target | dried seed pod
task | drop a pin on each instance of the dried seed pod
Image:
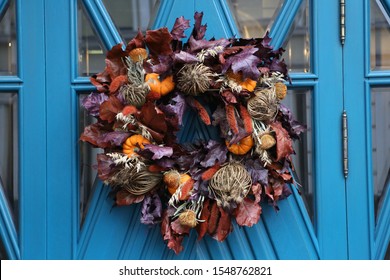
(188, 218)
(230, 184)
(137, 180)
(193, 79)
(172, 180)
(280, 90)
(267, 141)
(263, 106)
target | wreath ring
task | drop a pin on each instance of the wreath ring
(233, 85)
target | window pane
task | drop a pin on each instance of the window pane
(254, 17)
(297, 44)
(131, 15)
(8, 48)
(380, 118)
(299, 101)
(380, 37)
(3, 253)
(9, 150)
(87, 162)
(91, 51)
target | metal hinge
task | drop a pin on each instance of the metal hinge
(345, 144)
(342, 22)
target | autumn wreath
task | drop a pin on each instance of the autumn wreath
(143, 96)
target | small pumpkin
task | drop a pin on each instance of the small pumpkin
(138, 54)
(133, 142)
(157, 87)
(247, 84)
(280, 90)
(242, 147)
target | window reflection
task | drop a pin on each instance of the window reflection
(8, 42)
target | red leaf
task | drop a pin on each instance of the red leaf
(204, 116)
(209, 173)
(283, 141)
(117, 83)
(231, 117)
(109, 109)
(174, 241)
(204, 216)
(247, 119)
(125, 198)
(114, 62)
(186, 190)
(224, 226)
(159, 41)
(257, 190)
(213, 219)
(154, 121)
(136, 42)
(248, 213)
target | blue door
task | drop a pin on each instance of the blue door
(52, 205)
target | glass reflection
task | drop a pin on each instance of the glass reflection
(87, 162)
(380, 127)
(300, 103)
(9, 180)
(8, 55)
(380, 36)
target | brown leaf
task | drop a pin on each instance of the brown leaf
(174, 241)
(204, 216)
(123, 198)
(213, 219)
(224, 226)
(109, 109)
(114, 62)
(117, 83)
(248, 213)
(283, 141)
(159, 42)
(154, 121)
(229, 96)
(136, 42)
(257, 190)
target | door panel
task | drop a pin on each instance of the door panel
(49, 82)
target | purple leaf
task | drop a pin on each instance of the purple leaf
(216, 153)
(293, 127)
(197, 45)
(105, 166)
(93, 101)
(162, 65)
(151, 210)
(185, 57)
(158, 151)
(244, 61)
(257, 171)
(199, 30)
(176, 107)
(181, 24)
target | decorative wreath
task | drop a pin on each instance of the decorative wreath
(142, 99)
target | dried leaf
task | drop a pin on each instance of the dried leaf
(180, 25)
(151, 210)
(158, 152)
(283, 141)
(224, 226)
(109, 109)
(213, 219)
(178, 228)
(136, 42)
(248, 212)
(123, 198)
(174, 240)
(93, 101)
(244, 62)
(159, 42)
(202, 227)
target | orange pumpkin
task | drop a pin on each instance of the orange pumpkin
(157, 87)
(133, 142)
(247, 84)
(174, 180)
(242, 147)
(138, 54)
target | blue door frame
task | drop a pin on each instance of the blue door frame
(48, 85)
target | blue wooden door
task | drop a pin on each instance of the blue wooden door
(64, 212)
